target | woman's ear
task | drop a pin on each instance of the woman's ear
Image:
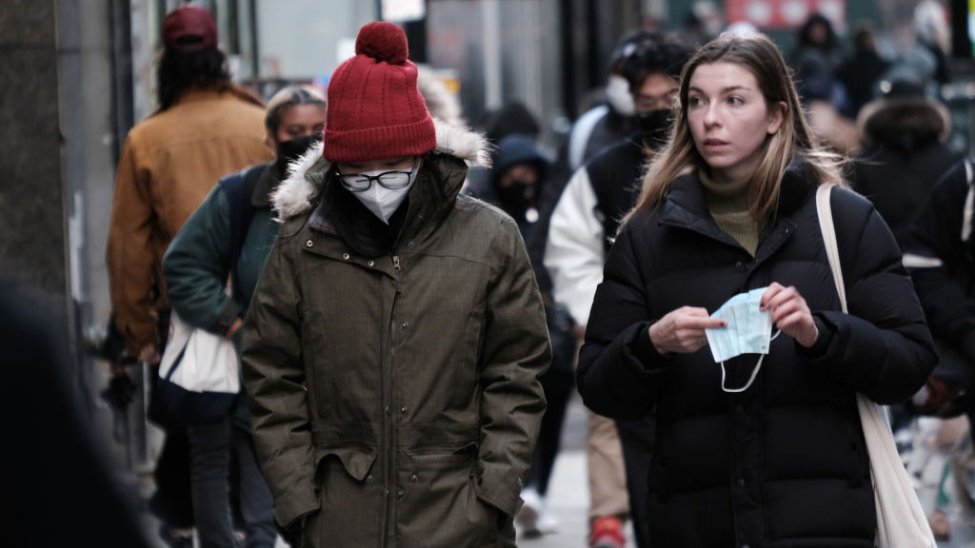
(776, 116)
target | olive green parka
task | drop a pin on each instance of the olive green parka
(395, 399)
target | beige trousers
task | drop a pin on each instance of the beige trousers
(607, 475)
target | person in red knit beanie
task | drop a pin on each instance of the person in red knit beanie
(393, 345)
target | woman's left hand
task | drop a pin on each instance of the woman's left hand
(790, 313)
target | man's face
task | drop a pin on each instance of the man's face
(658, 91)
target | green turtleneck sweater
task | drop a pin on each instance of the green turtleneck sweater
(728, 203)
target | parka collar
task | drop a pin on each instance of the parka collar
(299, 192)
(905, 123)
(430, 199)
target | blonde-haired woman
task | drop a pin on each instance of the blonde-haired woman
(772, 454)
(230, 235)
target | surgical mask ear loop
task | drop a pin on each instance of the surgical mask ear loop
(758, 367)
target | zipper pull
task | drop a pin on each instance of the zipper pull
(396, 263)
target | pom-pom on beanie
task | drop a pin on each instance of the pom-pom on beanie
(375, 110)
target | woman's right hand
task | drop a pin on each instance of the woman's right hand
(682, 330)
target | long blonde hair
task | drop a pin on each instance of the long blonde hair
(761, 57)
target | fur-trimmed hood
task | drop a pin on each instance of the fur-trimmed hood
(297, 193)
(903, 123)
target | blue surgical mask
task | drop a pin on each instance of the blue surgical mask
(748, 330)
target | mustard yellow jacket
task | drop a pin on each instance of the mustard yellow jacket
(169, 163)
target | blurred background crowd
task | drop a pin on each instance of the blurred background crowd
(882, 80)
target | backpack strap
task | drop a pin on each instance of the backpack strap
(239, 189)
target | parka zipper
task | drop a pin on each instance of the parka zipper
(389, 429)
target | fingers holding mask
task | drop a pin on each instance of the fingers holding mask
(790, 313)
(682, 330)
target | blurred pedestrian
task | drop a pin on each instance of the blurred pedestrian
(230, 235)
(514, 118)
(607, 122)
(583, 226)
(940, 255)
(394, 342)
(903, 152)
(516, 183)
(205, 127)
(933, 33)
(817, 38)
(862, 70)
(54, 471)
(773, 455)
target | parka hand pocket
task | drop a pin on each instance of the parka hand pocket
(356, 462)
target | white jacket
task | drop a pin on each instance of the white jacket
(574, 253)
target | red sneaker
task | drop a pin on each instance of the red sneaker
(607, 532)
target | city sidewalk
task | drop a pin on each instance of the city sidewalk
(568, 491)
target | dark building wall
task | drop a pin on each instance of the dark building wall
(32, 229)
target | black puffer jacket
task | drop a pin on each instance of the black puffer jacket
(782, 464)
(941, 257)
(902, 156)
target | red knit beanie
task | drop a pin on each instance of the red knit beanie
(375, 110)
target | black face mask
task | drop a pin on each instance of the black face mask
(289, 151)
(655, 126)
(517, 197)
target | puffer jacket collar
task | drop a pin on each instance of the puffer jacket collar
(685, 205)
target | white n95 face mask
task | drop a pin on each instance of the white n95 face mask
(748, 330)
(382, 201)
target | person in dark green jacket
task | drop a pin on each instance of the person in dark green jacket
(229, 237)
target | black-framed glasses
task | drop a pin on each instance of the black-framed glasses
(392, 180)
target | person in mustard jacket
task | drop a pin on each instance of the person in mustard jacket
(205, 128)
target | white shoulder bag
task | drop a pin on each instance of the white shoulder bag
(900, 519)
(199, 376)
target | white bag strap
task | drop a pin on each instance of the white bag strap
(829, 240)
(900, 519)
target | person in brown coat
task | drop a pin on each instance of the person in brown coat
(205, 128)
(394, 343)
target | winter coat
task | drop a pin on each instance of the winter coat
(585, 221)
(533, 224)
(395, 400)
(196, 267)
(169, 163)
(940, 255)
(901, 158)
(783, 463)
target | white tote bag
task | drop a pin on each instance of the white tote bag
(199, 376)
(900, 519)
(203, 361)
